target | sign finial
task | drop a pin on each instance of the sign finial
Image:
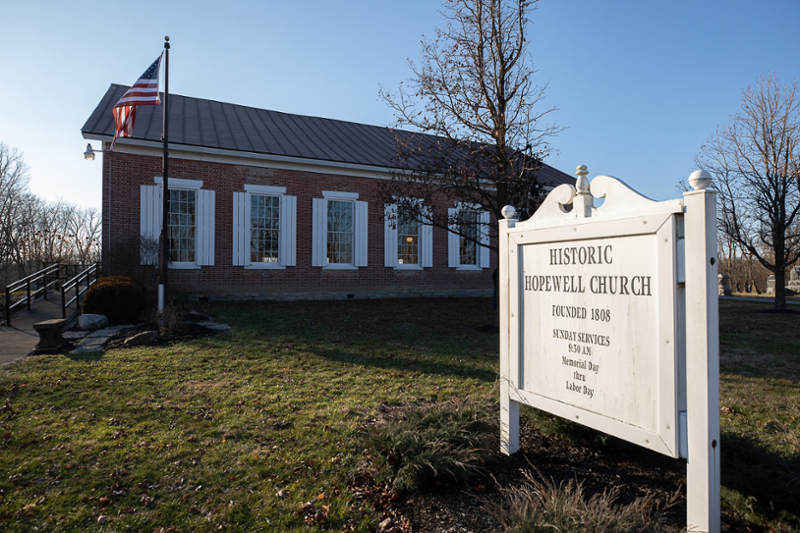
(582, 184)
(700, 179)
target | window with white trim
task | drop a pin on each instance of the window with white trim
(408, 242)
(408, 228)
(264, 227)
(468, 239)
(339, 231)
(190, 234)
(182, 226)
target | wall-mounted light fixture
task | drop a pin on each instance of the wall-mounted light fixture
(89, 153)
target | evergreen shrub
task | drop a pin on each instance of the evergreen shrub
(120, 298)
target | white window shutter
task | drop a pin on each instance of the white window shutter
(288, 231)
(390, 235)
(426, 240)
(240, 230)
(484, 250)
(149, 223)
(360, 248)
(319, 231)
(204, 239)
(453, 259)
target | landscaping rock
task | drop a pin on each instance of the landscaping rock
(95, 341)
(74, 335)
(194, 316)
(145, 338)
(92, 322)
(214, 326)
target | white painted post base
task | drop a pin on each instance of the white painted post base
(161, 298)
(509, 421)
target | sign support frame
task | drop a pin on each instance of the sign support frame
(690, 271)
(702, 358)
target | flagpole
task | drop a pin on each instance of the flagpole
(163, 246)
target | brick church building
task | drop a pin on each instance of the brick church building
(269, 205)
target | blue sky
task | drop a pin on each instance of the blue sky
(639, 85)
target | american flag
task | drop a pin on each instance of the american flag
(143, 92)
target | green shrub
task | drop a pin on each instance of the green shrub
(119, 298)
(447, 442)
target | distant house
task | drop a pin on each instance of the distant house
(271, 205)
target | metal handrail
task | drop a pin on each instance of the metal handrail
(75, 283)
(44, 274)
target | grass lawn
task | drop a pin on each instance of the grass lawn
(235, 432)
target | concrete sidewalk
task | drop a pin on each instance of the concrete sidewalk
(20, 339)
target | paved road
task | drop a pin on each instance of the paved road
(20, 339)
(769, 300)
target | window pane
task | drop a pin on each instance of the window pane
(182, 221)
(407, 238)
(264, 228)
(467, 246)
(340, 216)
(340, 232)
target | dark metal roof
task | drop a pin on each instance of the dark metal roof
(210, 124)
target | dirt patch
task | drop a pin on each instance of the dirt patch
(185, 332)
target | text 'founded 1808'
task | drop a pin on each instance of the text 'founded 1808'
(591, 339)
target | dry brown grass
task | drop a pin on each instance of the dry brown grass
(542, 505)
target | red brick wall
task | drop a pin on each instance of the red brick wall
(123, 174)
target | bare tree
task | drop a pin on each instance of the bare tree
(83, 231)
(23, 235)
(756, 162)
(475, 97)
(13, 190)
(33, 231)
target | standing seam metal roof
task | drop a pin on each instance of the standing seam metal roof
(212, 124)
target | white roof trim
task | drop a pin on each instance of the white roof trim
(253, 159)
(238, 157)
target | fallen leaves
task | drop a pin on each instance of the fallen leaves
(311, 513)
(30, 508)
(380, 499)
(146, 485)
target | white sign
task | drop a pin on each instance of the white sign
(594, 326)
(594, 323)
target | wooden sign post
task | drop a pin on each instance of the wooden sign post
(605, 311)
